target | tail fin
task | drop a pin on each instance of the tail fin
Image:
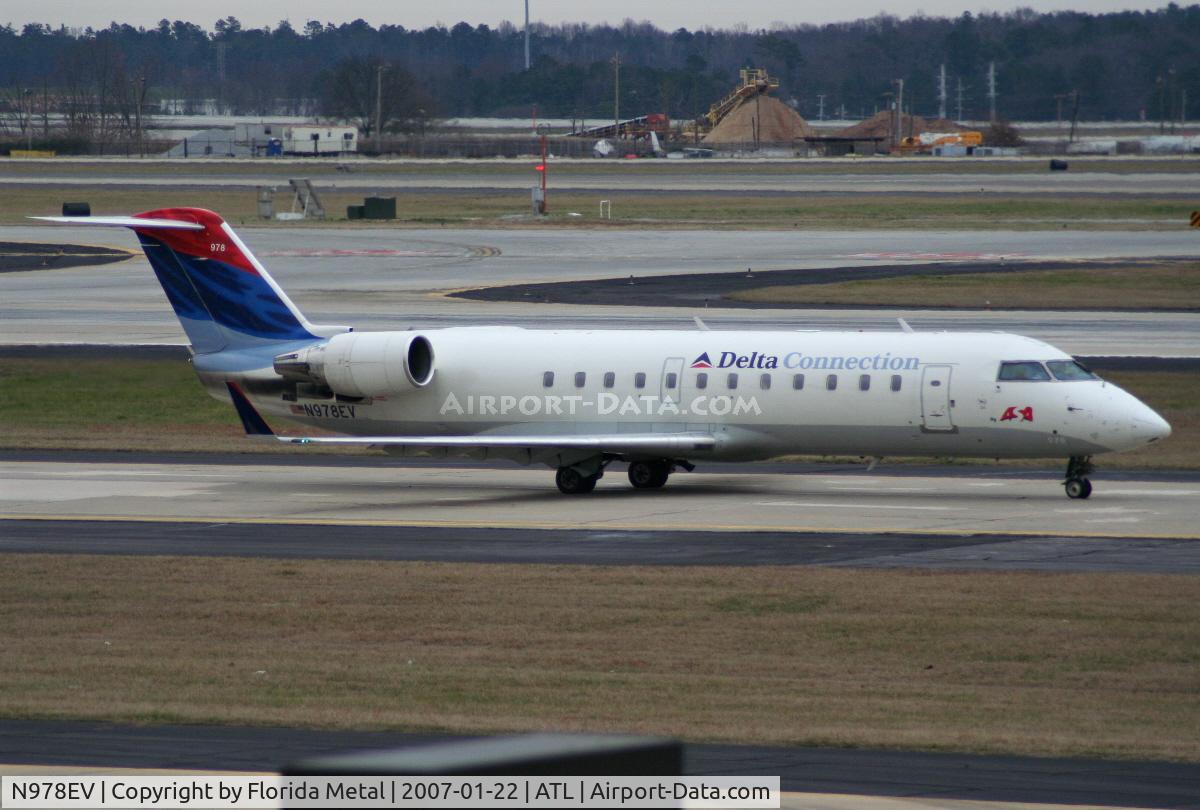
(223, 296)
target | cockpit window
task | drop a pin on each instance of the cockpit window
(1025, 371)
(1069, 370)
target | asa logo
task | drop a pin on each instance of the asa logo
(1013, 412)
(702, 361)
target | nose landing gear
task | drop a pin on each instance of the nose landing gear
(1077, 484)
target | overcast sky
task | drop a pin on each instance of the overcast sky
(666, 14)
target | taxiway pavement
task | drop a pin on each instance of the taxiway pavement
(391, 278)
(987, 518)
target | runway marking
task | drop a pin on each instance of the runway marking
(862, 506)
(576, 525)
(1154, 493)
(1104, 510)
(884, 490)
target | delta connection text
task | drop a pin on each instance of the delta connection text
(803, 362)
(263, 791)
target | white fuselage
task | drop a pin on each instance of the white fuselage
(762, 394)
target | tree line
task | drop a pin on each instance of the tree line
(1122, 65)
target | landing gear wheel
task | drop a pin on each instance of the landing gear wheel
(1077, 483)
(1078, 488)
(571, 482)
(649, 474)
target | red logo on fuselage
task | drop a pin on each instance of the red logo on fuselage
(1013, 412)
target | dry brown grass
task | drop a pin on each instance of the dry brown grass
(1165, 286)
(511, 209)
(1098, 665)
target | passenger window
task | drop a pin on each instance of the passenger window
(702, 380)
(831, 382)
(764, 382)
(1026, 371)
(864, 382)
(731, 383)
(580, 379)
(639, 380)
(798, 382)
(610, 379)
(896, 382)
(1070, 371)
(548, 379)
(672, 379)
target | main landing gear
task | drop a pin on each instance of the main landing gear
(581, 478)
(649, 474)
(572, 482)
(1077, 483)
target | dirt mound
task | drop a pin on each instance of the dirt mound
(880, 124)
(769, 118)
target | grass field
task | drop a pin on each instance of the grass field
(1061, 665)
(1174, 285)
(159, 405)
(511, 209)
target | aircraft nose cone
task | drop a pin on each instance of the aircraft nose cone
(1150, 427)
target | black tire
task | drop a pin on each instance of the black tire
(570, 482)
(649, 474)
(1078, 488)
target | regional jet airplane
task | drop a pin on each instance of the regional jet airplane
(659, 400)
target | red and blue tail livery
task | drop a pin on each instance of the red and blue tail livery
(223, 297)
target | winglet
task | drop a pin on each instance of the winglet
(254, 424)
(904, 325)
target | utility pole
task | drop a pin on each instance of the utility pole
(992, 90)
(616, 60)
(896, 135)
(28, 119)
(379, 109)
(1162, 104)
(1182, 108)
(1074, 114)
(527, 34)
(221, 78)
(820, 106)
(942, 92)
(959, 118)
(1170, 99)
(1058, 100)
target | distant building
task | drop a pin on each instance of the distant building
(298, 139)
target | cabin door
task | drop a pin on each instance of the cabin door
(935, 399)
(671, 383)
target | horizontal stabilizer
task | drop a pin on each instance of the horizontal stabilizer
(128, 222)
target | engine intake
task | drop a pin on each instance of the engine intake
(362, 364)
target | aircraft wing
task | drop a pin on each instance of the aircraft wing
(620, 443)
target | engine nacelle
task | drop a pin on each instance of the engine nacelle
(362, 364)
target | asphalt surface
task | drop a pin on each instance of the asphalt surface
(984, 499)
(384, 278)
(987, 552)
(692, 290)
(809, 770)
(23, 257)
